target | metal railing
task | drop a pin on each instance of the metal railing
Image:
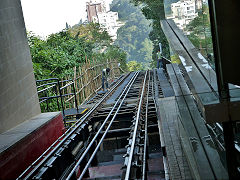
(58, 146)
(59, 95)
(50, 90)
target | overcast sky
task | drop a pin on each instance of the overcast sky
(44, 17)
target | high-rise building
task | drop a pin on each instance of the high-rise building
(98, 11)
(109, 22)
(93, 8)
(199, 4)
(183, 12)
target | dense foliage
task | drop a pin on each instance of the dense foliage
(167, 6)
(134, 66)
(199, 28)
(154, 10)
(133, 36)
(56, 56)
(200, 31)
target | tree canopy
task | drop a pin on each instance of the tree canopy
(134, 66)
(60, 52)
(154, 10)
(200, 31)
(133, 37)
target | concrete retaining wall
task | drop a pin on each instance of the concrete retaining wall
(18, 94)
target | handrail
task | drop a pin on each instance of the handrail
(50, 79)
(66, 136)
(46, 88)
(79, 89)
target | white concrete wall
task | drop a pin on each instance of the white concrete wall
(18, 94)
(108, 21)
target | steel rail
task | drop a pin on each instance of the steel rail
(135, 130)
(146, 132)
(46, 88)
(53, 83)
(105, 133)
(167, 60)
(103, 124)
(155, 95)
(216, 137)
(50, 79)
(62, 139)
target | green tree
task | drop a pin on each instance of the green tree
(175, 59)
(56, 56)
(92, 33)
(154, 11)
(133, 36)
(167, 6)
(134, 66)
(146, 50)
(116, 53)
(200, 31)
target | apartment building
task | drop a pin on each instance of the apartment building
(184, 11)
(98, 11)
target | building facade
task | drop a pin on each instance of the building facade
(184, 11)
(109, 22)
(93, 10)
(98, 11)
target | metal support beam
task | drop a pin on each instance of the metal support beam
(223, 25)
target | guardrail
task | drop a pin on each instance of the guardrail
(61, 94)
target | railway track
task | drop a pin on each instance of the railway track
(118, 138)
(90, 141)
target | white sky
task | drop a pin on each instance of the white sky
(44, 17)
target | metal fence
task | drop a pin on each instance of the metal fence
(61, 94)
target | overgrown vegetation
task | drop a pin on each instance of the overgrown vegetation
(60, 53)
(56, 56)
(154, 10)
(135, 66)
(200, 32)
(167, 6)
(133, 35)
(199, 28)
